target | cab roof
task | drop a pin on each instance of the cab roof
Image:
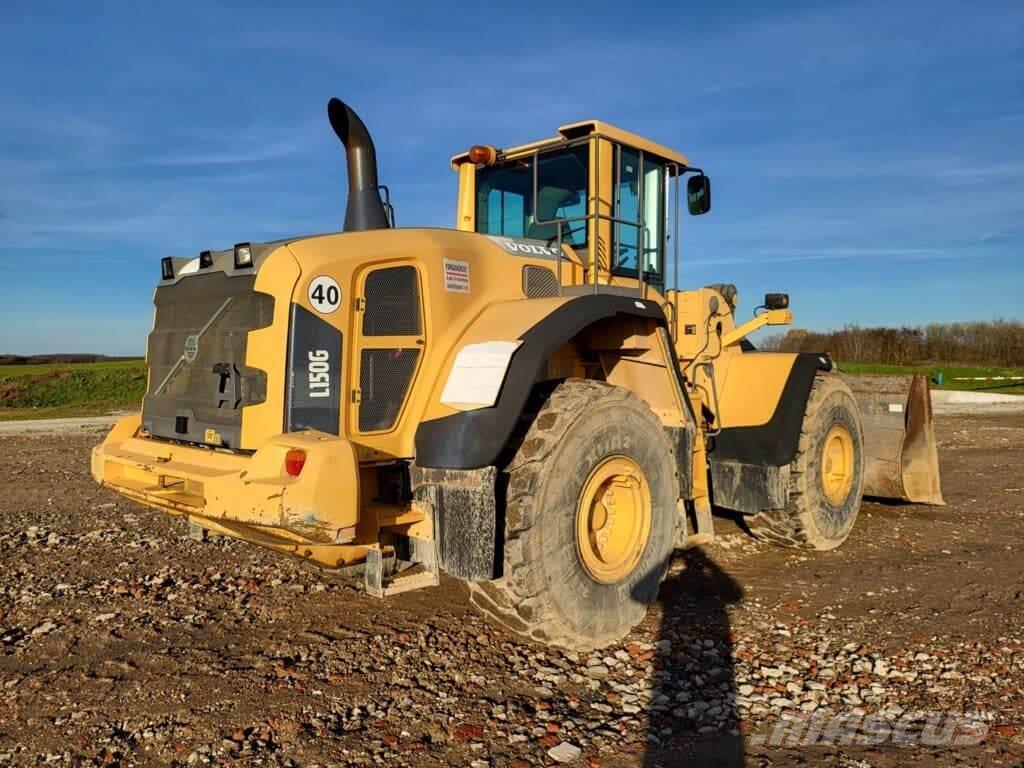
(588, 128)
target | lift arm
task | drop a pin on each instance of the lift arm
(769, 317)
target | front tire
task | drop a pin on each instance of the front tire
(589, 519)
(826, 477)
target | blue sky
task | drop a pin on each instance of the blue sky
(866, 157)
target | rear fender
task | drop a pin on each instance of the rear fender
(476, 438)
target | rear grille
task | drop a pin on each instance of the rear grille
(539, 282)
(384, 376)
(198, 380)
(392, 303)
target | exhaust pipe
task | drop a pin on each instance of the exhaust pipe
(365, 209)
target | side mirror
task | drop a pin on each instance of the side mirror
(776, 301)
(698, 194)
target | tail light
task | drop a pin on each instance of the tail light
(294, 461)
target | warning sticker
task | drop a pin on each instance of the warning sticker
(456, 276)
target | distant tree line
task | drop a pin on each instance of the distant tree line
(997, 343)
(59, 358)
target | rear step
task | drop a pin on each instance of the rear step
(384, 575)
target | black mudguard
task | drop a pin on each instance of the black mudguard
(474, 439)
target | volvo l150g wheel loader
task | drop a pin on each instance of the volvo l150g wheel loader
(526, 402)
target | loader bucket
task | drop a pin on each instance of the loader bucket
(901, 459)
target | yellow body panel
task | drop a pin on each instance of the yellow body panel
(495, 277)
(267, 346)
(245, 495)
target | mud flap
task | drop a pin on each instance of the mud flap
(748, 488)
(901, 458)
(465, 519)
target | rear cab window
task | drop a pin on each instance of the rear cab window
(505, 203)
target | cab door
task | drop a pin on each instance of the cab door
(390, 340)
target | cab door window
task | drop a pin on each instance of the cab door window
(640, 243)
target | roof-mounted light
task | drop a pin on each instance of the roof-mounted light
(167, 268)
(481, 154)
(205, 260)
(243, 255)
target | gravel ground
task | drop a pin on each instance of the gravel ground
(123, 642)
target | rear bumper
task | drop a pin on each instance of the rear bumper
(248, 496)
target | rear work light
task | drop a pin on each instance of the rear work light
(294, 461)
(167, 268)
(243, 255)
(205, 260)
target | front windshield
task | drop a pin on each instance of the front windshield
(505, 204)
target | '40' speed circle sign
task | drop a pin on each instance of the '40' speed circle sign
(324, 294)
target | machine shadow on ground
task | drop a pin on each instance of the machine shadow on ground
(694, 603)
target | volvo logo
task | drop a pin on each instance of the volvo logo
(191, 348)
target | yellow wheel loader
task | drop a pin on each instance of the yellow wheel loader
(526, 402)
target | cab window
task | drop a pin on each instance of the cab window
(505, 204)
(642, 242)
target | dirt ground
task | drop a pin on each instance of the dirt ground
(124, 642)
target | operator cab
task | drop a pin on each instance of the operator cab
(604, 192)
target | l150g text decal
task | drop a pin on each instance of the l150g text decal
(314, 373)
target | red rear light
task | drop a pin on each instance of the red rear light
(294, 461)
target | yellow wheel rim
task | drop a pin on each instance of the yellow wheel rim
(613, 519)
(837, 465)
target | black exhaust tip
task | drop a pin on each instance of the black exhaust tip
(365, 210)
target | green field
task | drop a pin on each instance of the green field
(91, 389)
(949, 371)
(75, 389)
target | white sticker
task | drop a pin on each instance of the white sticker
(895, 407)
(456, 276)
(324, 294)
(639, 305)
(478, 373)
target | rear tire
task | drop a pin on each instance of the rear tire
(824, 498)
(559, 589)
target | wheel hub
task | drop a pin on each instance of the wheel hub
(837, 462)
(613, 519)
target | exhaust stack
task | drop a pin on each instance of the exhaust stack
(365, 209)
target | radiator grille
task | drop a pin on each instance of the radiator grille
(539, 282)
(384, 376)
(392, 303)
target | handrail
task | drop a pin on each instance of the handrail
(675, 245)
